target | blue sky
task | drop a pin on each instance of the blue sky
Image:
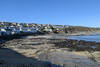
(65, 12)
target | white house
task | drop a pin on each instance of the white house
(8, 31)
(34, 30)
(48, 29)
(2, 31)
(25, 29)
(13, 30)
(18, 30)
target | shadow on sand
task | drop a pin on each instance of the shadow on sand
(11, 58)
(6, 38)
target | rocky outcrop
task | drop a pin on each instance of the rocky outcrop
(77, 45)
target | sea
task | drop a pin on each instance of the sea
(93, 38)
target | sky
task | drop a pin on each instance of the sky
(62, 12)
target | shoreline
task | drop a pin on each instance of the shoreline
(82, 33)
(62, 38)
(45, 49)
(54, 36)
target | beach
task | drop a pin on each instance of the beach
(47, 51)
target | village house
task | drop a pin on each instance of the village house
(2, 31)
(25, 29)
(17, 28)
(48, 29)
(8, 31)
(34, 30)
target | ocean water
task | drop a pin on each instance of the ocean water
(93, 38)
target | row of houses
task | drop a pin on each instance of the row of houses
(11, 30)
(7, 28)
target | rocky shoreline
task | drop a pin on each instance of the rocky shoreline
(49, 51)
(60, 40)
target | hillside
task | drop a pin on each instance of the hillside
(47, 28)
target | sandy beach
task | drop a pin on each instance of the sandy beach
(38, 50)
